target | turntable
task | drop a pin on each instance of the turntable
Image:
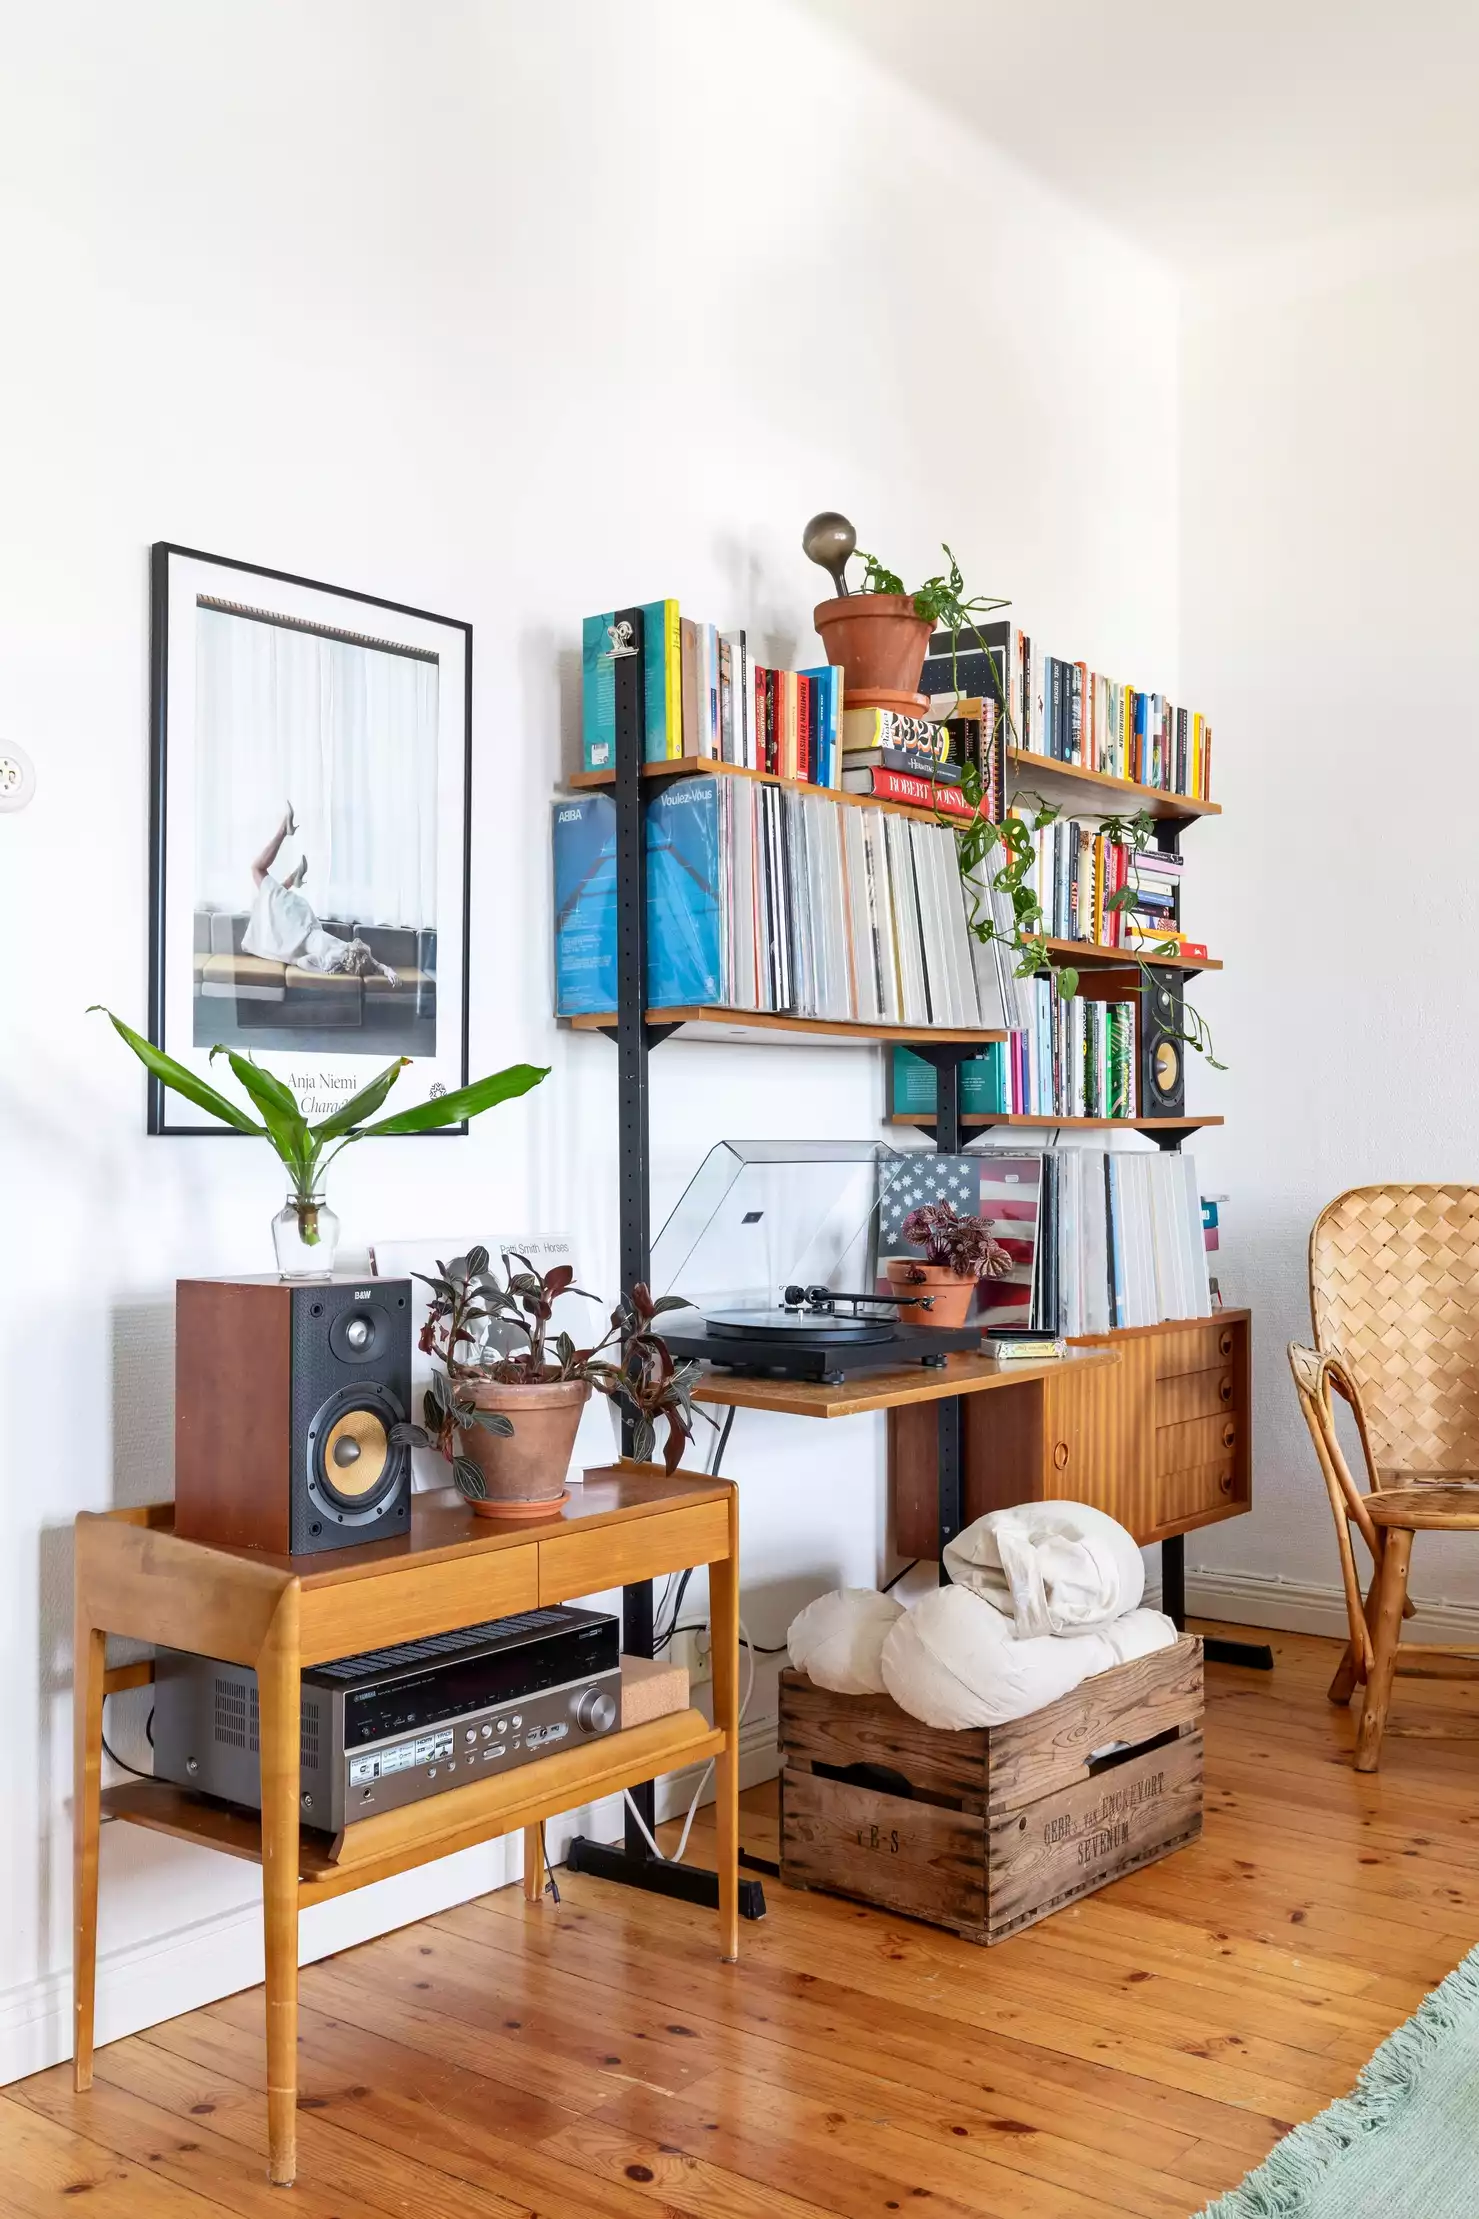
(775, 1245)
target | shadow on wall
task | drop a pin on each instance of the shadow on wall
(143, 1415)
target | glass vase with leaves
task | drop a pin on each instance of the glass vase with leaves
(306, 1231)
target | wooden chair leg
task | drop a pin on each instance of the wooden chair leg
(533, 1864)
(280, 1698)
(88, 1664)
(724, 1620)
(1385, 1635)
(1351, 1670)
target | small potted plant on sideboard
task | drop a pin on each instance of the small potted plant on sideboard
(958, 1252)
(506, 1419)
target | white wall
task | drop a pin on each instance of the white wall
(508, 313)
(1330, 476)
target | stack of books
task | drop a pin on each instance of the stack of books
(1077, 873)
(771, 898)
(1062, 709)
(702, 696)
(919, 759)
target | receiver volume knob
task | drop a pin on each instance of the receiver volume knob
(595, 1712)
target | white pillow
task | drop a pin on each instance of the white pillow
(1138, 1634)
(838, 1639)
(954, 1661)
(1052, 1567)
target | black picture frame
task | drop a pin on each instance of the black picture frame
(161, 555)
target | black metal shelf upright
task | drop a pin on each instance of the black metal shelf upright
(634, 1863)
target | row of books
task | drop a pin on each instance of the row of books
(770, 898)
(1078, 873)
(1074, 1058)
(1062, 709)
(703, 696)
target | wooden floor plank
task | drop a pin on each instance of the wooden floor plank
(1125, 2060)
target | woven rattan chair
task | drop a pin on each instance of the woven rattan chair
(1394, 1296)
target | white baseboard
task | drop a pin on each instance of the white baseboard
(1305, 1606)
(145, 1982)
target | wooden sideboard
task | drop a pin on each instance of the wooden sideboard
(1161, 1439)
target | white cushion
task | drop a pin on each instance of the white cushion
(838, 1640)
(1052, 1567)
(1138, 1634)
(954, 1661)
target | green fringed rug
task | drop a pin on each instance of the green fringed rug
(1404, 2144)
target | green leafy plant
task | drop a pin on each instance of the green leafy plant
(942, 599)
(962, 1245)
(467, 1298)
(308, 1150)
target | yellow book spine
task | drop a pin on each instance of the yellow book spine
(672, 648)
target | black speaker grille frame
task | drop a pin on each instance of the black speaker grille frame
(318, 1376)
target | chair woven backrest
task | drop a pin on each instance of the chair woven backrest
(1394, 1293)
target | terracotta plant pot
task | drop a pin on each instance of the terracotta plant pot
(877, 639)
(524, 1471)
(952, 1296)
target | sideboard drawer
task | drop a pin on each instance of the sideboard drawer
(1198, 1441)
(1193, 1493)
(409, 1605)
(1195, 1394)
(641, 1548)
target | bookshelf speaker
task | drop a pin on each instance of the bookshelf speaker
(1162, 1046)
(287, 1396)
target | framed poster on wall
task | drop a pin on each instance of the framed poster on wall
(310, 820)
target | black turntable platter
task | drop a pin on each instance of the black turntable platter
(787, 1326)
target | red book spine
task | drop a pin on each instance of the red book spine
(757, 721)
(772, 762)
(920, 793)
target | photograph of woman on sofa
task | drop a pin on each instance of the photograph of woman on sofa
(347, 727)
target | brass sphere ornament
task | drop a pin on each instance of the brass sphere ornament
(828, 540)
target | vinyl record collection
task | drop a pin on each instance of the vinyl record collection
(770, 898)
(1099, 1238)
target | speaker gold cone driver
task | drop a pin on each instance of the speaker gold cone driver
(355, 1453)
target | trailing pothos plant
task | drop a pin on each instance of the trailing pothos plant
(1000, 856)
(632, 1365)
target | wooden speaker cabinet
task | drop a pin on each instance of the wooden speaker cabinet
(1161, 1440)
(287, 1394)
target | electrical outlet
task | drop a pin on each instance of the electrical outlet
(693, 1650)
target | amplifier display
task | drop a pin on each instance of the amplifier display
(393, 1725)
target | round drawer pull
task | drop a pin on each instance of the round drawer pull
(1229, 1434)
(1226, 1483)
(1060, 1456)
(1225, 1387)
(1224, 1344)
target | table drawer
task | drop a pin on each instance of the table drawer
(1198, 1347)
(410, 1603)
(1197, 1441)
(640, 1548)
(1191, 1494)
(1195, 1394)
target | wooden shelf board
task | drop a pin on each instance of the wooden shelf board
(716, 1023)
(395, 1841)
(1089, 785)
(963, 1374)
(1089, 955)
(1111, 1124)
(691, 766)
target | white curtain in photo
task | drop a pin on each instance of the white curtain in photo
(345, 731)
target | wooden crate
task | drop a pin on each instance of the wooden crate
(988, 1830)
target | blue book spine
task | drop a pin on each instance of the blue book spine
(584, 834)
(597, 693)
(660, 691)
(828, 736)
(684, 953)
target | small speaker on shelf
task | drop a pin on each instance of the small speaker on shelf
(286, 1397)
(1162, 1047)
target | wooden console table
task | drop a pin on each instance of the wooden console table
(135, 1577)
